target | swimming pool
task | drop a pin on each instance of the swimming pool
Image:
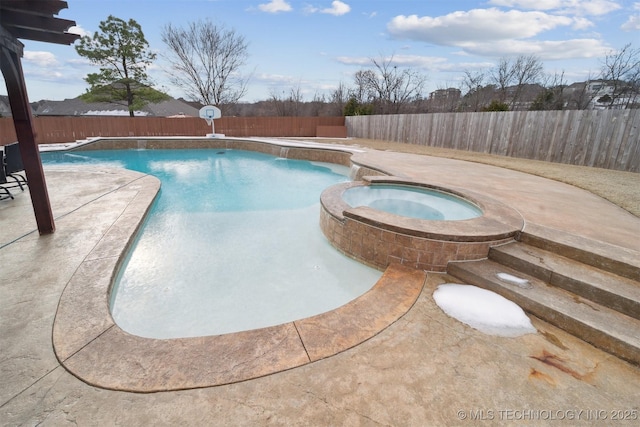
(232, 243)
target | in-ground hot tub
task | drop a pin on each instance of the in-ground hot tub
(412, 202)
(383, 220)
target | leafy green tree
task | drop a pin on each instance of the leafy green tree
(354, 108)
(122, 52)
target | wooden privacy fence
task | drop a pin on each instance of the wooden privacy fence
(605, 138)
(68, 129)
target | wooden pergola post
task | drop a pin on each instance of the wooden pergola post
(31, 20)
(11, 52)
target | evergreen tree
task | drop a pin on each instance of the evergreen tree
(122, 52)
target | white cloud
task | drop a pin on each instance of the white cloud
(632, 24)
(545, 50)
(79, 61)
(594, 7)
(40, 58)
(426, 62)
(431, 64)
(572, 7)
(275, 6)
(475, 25)
(582, 23)
(77, 29)
(529, 4)
(337, 8)
(41, 67)
(51, 76)
(354, 60)
(274, 79)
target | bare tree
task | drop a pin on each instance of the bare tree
(512, 76)
(474, 96)
(621, 70)
(316, 105)
(206, 61)
(296, 99)
(527, 71)
(445, 99)
(287, 105)
(362, 92)
(502, 77)
(389, 88)
(278, 103)
(554, 95)
(339, 98)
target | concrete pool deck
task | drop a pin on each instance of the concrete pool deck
(424, 369)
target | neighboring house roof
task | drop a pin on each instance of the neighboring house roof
(171, 107)
(77, 107)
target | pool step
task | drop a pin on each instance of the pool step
(600, 286)
(595, 305)
(615, 259)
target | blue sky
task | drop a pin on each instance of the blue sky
(315, 45)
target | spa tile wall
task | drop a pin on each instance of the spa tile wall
(379, 248)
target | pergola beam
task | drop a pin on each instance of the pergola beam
(46, 37)
(44, 7)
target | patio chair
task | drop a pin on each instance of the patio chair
(13, 164)
(4, 192)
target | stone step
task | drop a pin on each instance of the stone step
(615, 259)
(596, 324)
(605, 288)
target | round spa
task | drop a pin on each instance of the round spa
(383, 220)
(413, 202)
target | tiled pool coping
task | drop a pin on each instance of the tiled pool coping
(92, 347)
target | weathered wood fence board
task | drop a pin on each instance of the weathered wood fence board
(604, 138)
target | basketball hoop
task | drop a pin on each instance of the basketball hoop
(209, 113)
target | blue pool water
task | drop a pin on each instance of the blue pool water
(232, 243)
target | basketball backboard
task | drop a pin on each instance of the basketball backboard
(210, 112)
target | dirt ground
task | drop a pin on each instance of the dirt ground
(621, 188)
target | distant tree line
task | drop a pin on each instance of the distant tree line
(514, 84)
(206, 64)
